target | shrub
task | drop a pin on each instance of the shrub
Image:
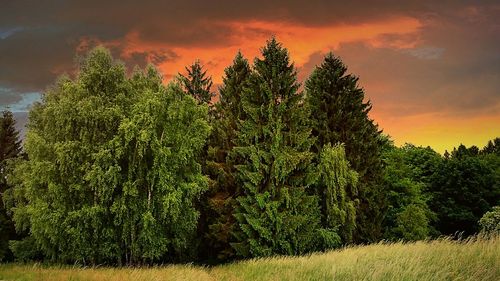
(490, 222)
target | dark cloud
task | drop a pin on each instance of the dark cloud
(452, 63)
(8, 96)
(30, 58)
(46, 33)
(400, 83)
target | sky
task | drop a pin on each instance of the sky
(431, 69)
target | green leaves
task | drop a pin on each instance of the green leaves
(275, 215)
(119, 170)
(10, 149)
(341, 116)
(407, 174)
(112, 173)
(338, 185)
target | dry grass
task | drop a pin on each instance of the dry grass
(475, 259)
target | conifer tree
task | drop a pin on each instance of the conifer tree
(10, 144)
(341, 116)
(220, 200)
(10, 147)
(275, 215)
(493, 146)
(196, 83)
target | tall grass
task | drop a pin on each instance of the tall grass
(444, 259)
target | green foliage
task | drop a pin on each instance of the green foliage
(159, 142)
(196, 83)
(412, 223)
(490, 222)
(286, 224)
(337, 182)
(327, 239)
(112, 171)
(493, 147)
(26, 250)
(275, 215)
(407, 177)
(465, 187)
(10, 148)
(220, 200)
(10, 145)
(341, 116)
(118, 168)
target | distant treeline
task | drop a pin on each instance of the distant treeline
(123, 169)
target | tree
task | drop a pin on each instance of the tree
(466, 187)
(337, 181)
(493, 147)
(412, 223)
(10, 144)
(220, 200)
(160, 142)
(341, 116)
(196, 83)
(407, 177)
(10, 148)
(112, 172)
(275, 215)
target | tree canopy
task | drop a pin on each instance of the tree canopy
(121, 168)
(112, 170)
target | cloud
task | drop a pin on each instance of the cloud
(427, 53)
(414, 58)
(23, 102)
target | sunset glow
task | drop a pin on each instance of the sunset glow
(431, 71)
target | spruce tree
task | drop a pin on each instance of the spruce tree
(220, 200)
(10, 148)
(275, 215)
(341, 116)
(196, 83)
(10, 144)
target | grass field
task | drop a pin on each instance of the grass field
(475, 259)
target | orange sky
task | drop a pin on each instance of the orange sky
(431, 70)
(440, 132)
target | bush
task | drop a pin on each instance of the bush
(25, 250)
(490, 222)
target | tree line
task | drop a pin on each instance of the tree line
(125, 169)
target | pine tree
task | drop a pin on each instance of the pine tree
(10, 144)
(10, 147)
(341, 116)
(220, 200)
(275, 215)
(196, 83)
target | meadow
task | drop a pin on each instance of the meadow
(442, 259)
